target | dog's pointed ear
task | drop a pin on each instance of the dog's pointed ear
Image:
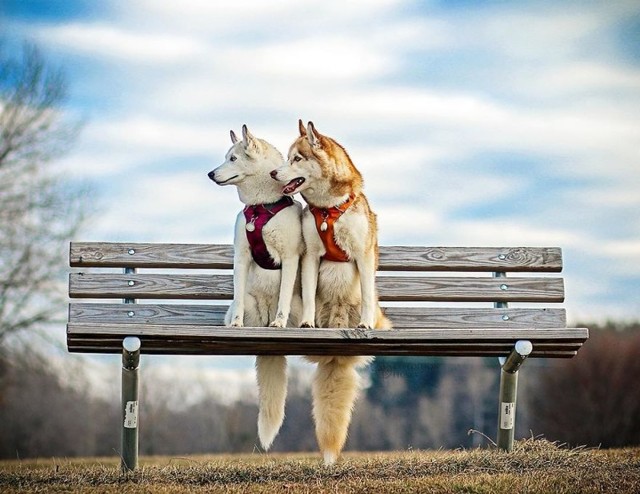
(250, 143)
(234, 137)
(247, 137)
(301, 129)
(313, 136)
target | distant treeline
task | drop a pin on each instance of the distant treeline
(417, 403)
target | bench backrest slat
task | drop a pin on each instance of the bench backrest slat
(392, 258)
(407, 317)
(390, 288)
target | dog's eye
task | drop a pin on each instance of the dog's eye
(232, 158)
(297, 158)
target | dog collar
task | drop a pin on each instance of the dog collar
(325, 219)
(256, 216)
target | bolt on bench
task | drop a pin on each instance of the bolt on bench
(152, 318)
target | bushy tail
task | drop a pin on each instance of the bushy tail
(271, 373)
(335, 389)
(382, 321)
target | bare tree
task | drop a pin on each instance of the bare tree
(39, 209)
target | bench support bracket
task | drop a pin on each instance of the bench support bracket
(509, 393)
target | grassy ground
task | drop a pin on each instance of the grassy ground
(533, 466)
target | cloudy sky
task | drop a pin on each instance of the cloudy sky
(473, 123)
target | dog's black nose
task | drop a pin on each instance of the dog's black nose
(211, 174)
(274, 174)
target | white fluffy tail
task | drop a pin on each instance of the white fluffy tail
(335, 390)
(271, 373)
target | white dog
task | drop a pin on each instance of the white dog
(268, 245)
(338, 270)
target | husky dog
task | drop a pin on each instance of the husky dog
(267, 248)
(338, 270)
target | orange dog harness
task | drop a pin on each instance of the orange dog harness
(325, 219)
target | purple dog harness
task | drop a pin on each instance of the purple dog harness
(256, 217)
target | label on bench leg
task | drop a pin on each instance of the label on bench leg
(507, 415)
(131, 415)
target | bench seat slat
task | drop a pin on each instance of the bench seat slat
(392, 258)
(408, 317)
(321, 341)
(311, 334)
(189, 347)
(390, 288)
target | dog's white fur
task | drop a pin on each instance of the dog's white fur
(334, 294)
(263, 297)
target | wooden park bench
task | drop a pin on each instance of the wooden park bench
(152, 311)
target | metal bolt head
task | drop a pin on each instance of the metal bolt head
(502, 257)
(505, 317)
(131, 251)
(131, 313)
(504, 287)
(131, 282)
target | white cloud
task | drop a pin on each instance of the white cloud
(413, 225)
(254, 16)
(516, 232)
(109, 41)
(626, 253)
(183, 206)
(320, 58)
(554, 33)
(156, 135)
(580, 76)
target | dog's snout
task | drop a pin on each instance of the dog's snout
(274, 174)
(211, 175)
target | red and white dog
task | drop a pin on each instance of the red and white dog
(338, 270)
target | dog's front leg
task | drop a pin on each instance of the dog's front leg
(287, 282)
(310, 267)
(367, 268)
(241, 261)
(240, 274)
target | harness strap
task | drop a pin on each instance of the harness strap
(257, 216)
(325, 220)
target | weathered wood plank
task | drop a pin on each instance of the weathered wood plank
(453, 317)
(191, 347)
(328, 334)
(147, 313)
(151, 286)
(440, 289)
(408, 317)
(392, 258)
(320, 341)
(146, 255)
(390, 288)
(508, 259)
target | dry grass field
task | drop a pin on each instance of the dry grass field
(534, 466)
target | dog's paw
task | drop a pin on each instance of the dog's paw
(307, 324)
(277, 323)
(236, 322)
(364, 325)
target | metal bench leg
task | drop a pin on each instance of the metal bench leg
(130, 366)
(509, 392)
